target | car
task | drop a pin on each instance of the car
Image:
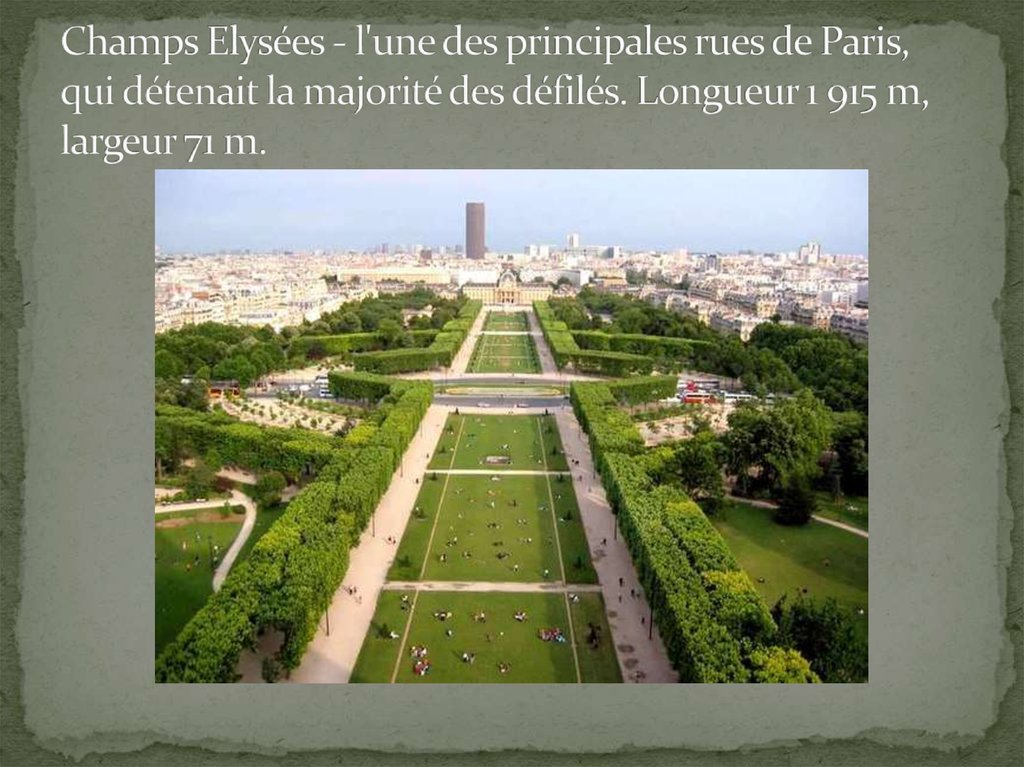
(521, 404)
(483, 404)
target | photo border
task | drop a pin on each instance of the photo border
(1002, 743)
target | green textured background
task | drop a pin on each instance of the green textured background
(945, 240)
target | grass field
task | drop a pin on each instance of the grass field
(506, 321)
(184, 576)
(851, 509)
(498, 639)
(472, 528)
(492, 527)
(825, 560)
(504, 354)
(533, 443)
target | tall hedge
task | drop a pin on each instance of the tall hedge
(440, 352)
(293, 571)
(567, 353)
(708, 612)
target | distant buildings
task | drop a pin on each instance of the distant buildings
(508, 290)
(475, 230)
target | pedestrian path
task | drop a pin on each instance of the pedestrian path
(823, 520)
(332, 653)
(638, 645)
(237, 498)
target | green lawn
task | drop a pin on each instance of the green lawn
(504, 354)
(184, 577)
(851, 509)
(506, 321)
(533, 443)
(489, 530)
(499, 639)
(824, 560)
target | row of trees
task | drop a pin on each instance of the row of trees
(293, 571)
(567, 353)
(777, 449)
(440, 352)
(777, 358)
(781, 451)
(715, 626)
(368, 314)
(213, 351)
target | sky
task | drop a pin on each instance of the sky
(702, 210)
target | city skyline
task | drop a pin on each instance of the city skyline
(703, 210)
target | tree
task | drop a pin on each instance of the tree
(797, 503)
(851, 446)
(349, 322)
(631, 321)
(389, 332)
(826, 634)
(778, 665)
(269, 487)
(168, 365)
(200, 480)
(784, 440)
(697, 466)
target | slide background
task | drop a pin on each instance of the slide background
(945, 241)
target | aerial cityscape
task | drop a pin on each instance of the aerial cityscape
(395, 452)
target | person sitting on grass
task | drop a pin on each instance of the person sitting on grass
(520, 615)
(503, 668)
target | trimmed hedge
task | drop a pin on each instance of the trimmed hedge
(567, 353)
(290, 451)
(441, 351)
(678, 349)
(295, 568)
(351, 343)
(359, 386)
(635, 391)
(708, 612)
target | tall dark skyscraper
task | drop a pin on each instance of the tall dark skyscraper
(475, 230)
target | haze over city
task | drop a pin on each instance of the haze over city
(702, 210)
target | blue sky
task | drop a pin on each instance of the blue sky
(703, 210)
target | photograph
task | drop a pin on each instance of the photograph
(511, 426)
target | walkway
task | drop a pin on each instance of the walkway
(331, 657)
(824, 520)
(238, 498)
(461, 360)
(547, 361)
(629, 614)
